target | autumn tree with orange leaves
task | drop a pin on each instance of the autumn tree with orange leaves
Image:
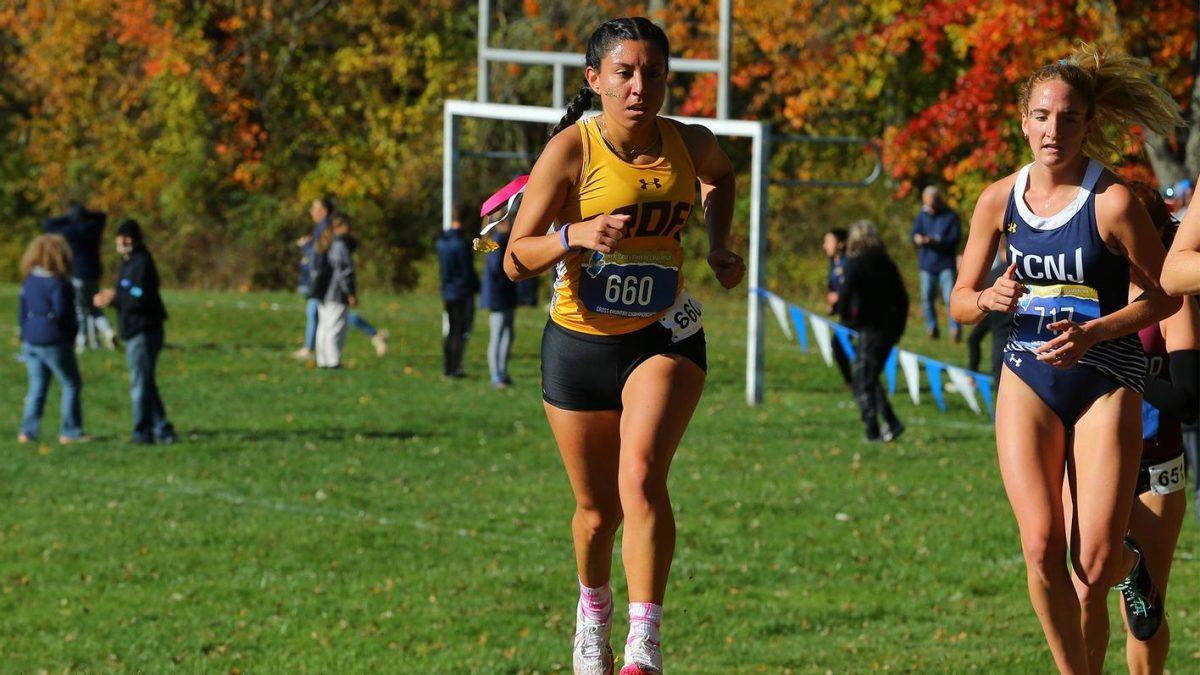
(937, 80)
(214, 123)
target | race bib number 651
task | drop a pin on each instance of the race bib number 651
(1167, 477)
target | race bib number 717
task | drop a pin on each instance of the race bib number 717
(1044, 305)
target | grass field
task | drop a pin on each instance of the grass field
(380, 518)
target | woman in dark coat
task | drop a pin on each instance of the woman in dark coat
(873, 302)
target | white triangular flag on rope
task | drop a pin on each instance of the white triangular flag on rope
(965, 384)
(823, 334)
(912, 374)
(779, 307)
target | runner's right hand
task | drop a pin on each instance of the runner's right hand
(104, 298)
(1005, 294)
(598, 234)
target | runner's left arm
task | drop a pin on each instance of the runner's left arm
(531, 250)
(1125, 226)
(717, 191)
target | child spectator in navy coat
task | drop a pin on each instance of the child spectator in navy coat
(48, 327)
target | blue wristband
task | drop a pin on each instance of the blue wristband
(562, 237)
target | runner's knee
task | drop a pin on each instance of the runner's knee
(1099, 564)
(598, 521)
(1044, 554)
(642, 487)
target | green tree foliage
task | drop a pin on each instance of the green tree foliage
(215, 123)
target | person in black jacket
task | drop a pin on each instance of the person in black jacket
(873, 302)
(84, 232)
(140, 316)
(48, 328)
(338, 292)
(459, 284)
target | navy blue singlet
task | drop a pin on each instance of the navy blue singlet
(1071, 274)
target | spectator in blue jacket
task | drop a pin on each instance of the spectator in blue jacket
(935, 232)
(48, 327)
(500, 298)
(140, 315)
(84, 232)
(459, 284)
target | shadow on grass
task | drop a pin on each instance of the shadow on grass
(281, 347)
(296, 435)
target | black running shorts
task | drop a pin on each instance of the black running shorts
(587, 372)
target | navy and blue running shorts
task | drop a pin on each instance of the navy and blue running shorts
(1069, 392)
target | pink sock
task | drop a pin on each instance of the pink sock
(645, 618)
(595, 603)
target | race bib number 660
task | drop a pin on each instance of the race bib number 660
(639, 283)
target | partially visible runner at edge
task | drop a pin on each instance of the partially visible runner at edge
(1172, 371)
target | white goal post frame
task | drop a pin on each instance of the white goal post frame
(560, 61)
(759, 134)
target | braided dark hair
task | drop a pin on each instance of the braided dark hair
(635, 28)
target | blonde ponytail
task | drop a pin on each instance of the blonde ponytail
(1120, 94)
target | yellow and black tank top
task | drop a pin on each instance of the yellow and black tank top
(637, 283)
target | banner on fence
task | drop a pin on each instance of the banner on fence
(824, 331)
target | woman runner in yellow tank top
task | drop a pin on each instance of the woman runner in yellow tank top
(623, 355)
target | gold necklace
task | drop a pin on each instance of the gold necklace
(631, 154)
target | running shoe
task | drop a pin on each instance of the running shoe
(69, 440)
(593, 654)
(643, 656)
(1143, 603)
(891, 432)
